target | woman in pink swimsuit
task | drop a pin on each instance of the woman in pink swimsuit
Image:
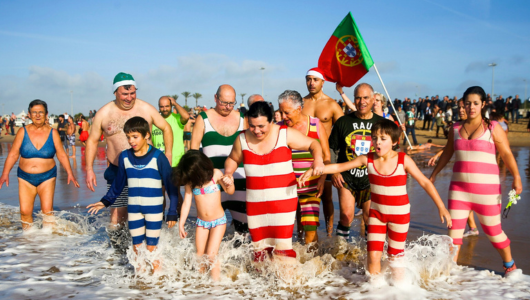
(475, 184)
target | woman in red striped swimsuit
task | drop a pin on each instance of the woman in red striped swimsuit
(265, 150)
(390, 207)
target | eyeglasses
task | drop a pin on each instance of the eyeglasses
(227, 103)
(37, 113)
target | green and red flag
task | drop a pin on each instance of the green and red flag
(345, 59)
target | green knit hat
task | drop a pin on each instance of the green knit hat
(122, 79)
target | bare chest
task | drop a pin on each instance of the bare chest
(225, 126)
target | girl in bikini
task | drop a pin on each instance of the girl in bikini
(196, 172)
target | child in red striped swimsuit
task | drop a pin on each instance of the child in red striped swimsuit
(390, 207)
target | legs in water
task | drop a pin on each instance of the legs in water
(27, 193)
(327, 204)
(207, 241)
(347, 208)
(473, 230)
(118, 236)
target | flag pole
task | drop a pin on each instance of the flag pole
(390, 100)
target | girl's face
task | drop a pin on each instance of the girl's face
(378, 103)
(259, 127)
(382, 143)
(473, 106)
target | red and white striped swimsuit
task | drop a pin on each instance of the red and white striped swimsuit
(271, 197)
(390, 207)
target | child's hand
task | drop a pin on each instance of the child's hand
(227, 180)
(182, 232)
(170, 224)
(445, 214)
(304, 177)
(95, 207)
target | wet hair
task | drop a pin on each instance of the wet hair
(477, 90)
(260, 109)
(293, 96)
(82, 117)
(137, 124)
(387, 127)
(496, 116)
(429, 141)
(61, 116)
(38, 102)
(194, 169)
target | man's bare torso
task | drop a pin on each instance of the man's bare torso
(325, 109)
(225, 126)
(71, 129)
(113, 120)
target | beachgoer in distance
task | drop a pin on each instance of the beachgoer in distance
(291, 105)
(216, 130)
(351, 136)
(475, 184)
(251, 99)
(143, 168)
(319, 105)
(37, 144)
(196, 172)
(109, 121)
(177, 121)
(277, 116)
(70, 137)
(265, 151)
(390, 207)
(83, 136)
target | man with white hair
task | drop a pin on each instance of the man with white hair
(327, 110)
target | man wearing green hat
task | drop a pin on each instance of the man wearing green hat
(109, 120)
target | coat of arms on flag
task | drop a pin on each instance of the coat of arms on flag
(362, 145)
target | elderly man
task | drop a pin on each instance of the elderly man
(252, 99)
(319, 105)
(351, 136)
(291, 105)
(216, 129)
(177, 121)
(109, 120)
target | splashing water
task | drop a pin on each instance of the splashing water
(74, 260)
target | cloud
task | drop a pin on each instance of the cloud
(480, 66)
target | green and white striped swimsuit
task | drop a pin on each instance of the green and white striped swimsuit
(217, 147)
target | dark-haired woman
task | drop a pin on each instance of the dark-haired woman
(37, 144)
(265, 150)
(475, 184)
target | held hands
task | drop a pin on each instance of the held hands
(95, 207)
(304, 177)
(228, 180)
(445, 214)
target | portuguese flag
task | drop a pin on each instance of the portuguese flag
(345, 59)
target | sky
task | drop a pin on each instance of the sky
(68, 52)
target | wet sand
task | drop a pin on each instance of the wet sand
(476, 252)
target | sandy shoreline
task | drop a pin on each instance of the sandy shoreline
(518, 136)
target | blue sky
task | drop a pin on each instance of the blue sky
(49, 48)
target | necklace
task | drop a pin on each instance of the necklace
(469, 135)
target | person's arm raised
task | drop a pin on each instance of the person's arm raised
(347, 100)
(163, 125)
(184, 115)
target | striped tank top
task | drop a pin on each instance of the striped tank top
(217, 147)
(302, 160)
(271, 195)
(389, 192)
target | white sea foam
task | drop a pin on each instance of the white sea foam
(74, 260)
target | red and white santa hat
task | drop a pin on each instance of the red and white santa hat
(317, 72)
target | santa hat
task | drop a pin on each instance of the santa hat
(122, 79)
(317, 72)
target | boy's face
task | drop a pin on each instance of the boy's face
(382, 143)
(136, 140)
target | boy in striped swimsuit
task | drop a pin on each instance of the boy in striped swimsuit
(390, 207)
(143, 168)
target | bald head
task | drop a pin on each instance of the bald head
(254, 98)
(164, 106)
(226, 90)
(225, 99)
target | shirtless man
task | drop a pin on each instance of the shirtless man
(109, 120)
(215, 130)
(319, 105)
(70, 136)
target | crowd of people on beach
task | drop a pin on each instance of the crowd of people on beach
(272, 168)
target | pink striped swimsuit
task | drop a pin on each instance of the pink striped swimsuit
(475, 185)
(389, 209)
